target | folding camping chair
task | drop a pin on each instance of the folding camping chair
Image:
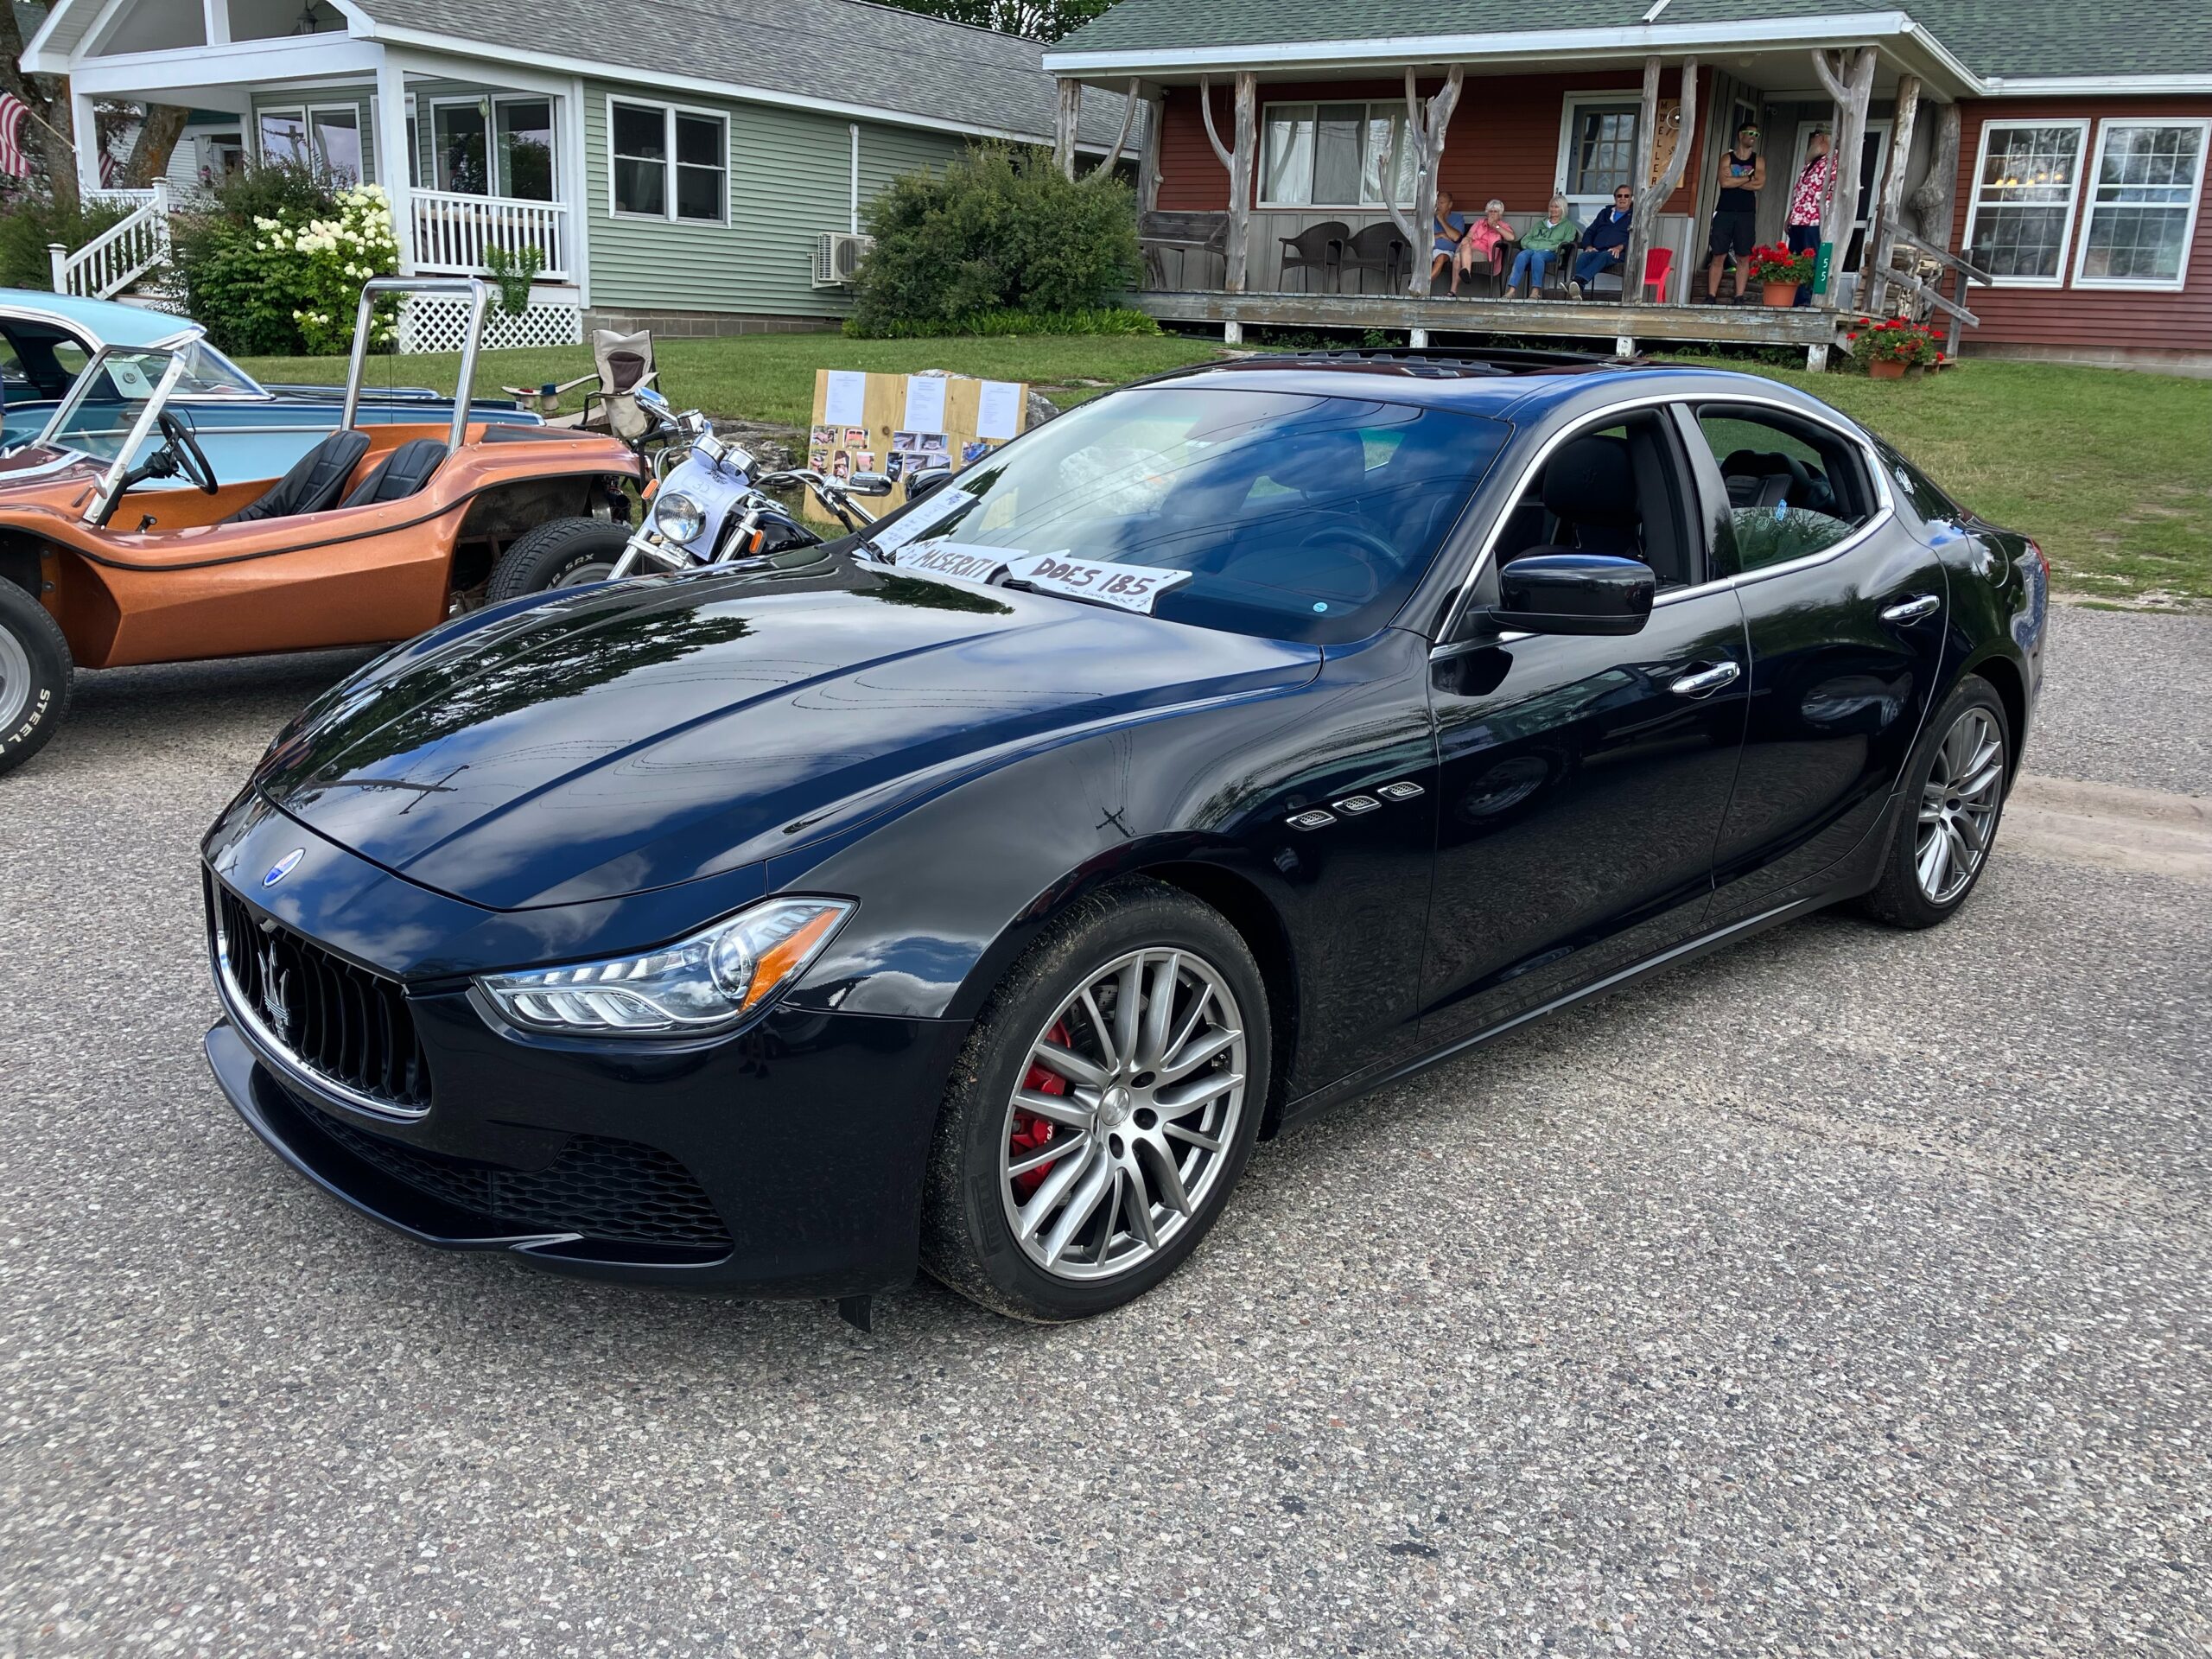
(626, 368)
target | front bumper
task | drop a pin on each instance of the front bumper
(785, 1159)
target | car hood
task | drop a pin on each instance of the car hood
(638, 735)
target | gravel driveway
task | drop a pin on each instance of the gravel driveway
(1842, 1293)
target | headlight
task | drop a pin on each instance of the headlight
(678, 517)
(704, 983)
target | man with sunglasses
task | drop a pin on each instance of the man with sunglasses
(1735, 232)
(1605, 244)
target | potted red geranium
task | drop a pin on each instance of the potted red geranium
(1892, 347)
(1781, 273)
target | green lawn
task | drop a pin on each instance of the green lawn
(2110, 471)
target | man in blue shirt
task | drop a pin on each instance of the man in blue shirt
(1605, 244)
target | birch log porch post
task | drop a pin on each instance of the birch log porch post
(1065, 121)
(1426, 137)
(1651, 193)
(1878, 243)
(1128, 114)
(1239, 163)
(1852, 95)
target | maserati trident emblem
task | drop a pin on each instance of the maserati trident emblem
(283, 866)
(273, 993)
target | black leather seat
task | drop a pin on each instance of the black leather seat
(313, 484)
(400, 473)
(1603, 494)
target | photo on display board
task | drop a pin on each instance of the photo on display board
(863, 461)
(841, 465)
(972, 453)
(818, 461)
(856, 436)
(823, 437)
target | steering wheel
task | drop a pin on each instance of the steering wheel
(190, 457)
(1338, 537)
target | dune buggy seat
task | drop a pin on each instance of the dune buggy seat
(312, 485)
(400, 473)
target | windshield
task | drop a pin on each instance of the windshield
(1289, 515)
(109, 400)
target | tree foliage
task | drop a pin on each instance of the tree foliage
(998, 230)
(1035, 20)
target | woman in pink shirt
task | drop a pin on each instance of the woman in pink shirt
(1486, 241)
(1807, 197)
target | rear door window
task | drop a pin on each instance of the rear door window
(1795, 487)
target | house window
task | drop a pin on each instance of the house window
(2143, 195)
(283, 135)
(669, 163)
(525, 148)
(335, 133)
(1601, 150)
(2026, 182)
(458, 160)
(1334, 155)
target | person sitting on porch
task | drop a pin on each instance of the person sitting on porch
(1735, 229)
(1807, 197)
(1539, 245)
(1606, 245)
(1451, 231)
(1486, 241)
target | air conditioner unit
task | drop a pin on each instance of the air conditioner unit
(837, 257)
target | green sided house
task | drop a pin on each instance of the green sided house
(699, 170)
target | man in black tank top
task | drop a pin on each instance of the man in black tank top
(1743, 174)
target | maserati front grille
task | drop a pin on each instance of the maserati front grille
(340, 1024)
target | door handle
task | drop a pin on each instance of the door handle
(1911, 610)
(1706, 681)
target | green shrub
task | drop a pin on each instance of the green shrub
(1003, 324)
(1000, 230)
(33, 220)
(275, 268)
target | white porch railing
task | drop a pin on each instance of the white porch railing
(123, 253)
(453, 231)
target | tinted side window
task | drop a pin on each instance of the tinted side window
(1793, 487)
(1928, 498)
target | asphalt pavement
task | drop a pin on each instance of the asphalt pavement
(1842, 1293)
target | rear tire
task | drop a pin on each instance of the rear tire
(1955, 789)
(1156, 1139)
(561, 553)
(34, 674)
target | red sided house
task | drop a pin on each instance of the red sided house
(2035, 172)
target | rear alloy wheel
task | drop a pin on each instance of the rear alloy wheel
(1954, 795)
(562, 553)
(34, 671)
(1104, 1108)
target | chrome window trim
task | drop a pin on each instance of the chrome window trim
(1650, 401)
(278, 1056)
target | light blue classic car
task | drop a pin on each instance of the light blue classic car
(248, 431)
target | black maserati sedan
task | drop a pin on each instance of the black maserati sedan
(972, 894)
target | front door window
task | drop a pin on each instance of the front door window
(1600, 157)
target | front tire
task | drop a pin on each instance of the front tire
(1102, 1110)
(1954, 791)
(34, 674)
(560, 553)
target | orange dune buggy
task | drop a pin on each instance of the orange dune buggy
(118, 545)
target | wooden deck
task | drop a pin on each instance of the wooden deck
(1606, 319)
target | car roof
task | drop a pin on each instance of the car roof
(1507, 385)
(107, 322)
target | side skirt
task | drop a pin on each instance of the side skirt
(1352, 1087)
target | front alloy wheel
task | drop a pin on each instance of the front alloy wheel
(1116, 1133)
(1102, 1107)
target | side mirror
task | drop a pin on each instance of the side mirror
(1558, 592)
(927, 481)
(868, 484)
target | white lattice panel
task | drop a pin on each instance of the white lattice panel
(439, 322)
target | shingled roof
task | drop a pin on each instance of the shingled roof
(1994, 38)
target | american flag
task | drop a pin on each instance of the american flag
(13, 112)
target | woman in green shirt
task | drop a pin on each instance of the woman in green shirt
(1541, 245)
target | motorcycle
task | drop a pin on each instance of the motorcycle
(710, 506)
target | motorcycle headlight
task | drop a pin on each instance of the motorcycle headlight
(678, 517)
(699, 985)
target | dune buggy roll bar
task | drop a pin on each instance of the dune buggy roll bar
(479, 298)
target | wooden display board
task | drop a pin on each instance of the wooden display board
(882, 433)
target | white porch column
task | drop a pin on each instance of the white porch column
(84, 115)
(392, 164)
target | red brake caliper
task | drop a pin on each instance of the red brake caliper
(1030, 1131)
